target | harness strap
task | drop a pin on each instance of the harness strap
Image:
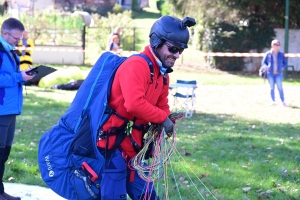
(131, 179)
(121, 132)
(116, 130)
(144, 129)
(136, 147)
(165, 79)
(152, 70)
(150, 66)
(121, 136)
(127, 160)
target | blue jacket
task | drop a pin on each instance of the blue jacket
(268, 61)
(11, 81)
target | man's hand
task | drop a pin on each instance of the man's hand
(25, 76)
(266, 67)
(168, 125)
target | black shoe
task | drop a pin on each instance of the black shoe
(5, 196)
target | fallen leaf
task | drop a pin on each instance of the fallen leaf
(246, 189)
(32, 144)
(270, 156)
(282, 190)
(9, 162)
(259, 191)
(185, 152)
(181, 178)
(214, 164)
(264, 195)
(282, 141)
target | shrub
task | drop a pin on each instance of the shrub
(117, 8)
(251, 34)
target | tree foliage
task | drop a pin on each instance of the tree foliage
(236, 25)
(53, 28)
(65, 28)
(112, 21)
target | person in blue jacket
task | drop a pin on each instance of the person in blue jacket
(11, 97)
(274, 62)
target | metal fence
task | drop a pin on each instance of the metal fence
(92, 42)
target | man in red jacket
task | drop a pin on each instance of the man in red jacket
(138, 96)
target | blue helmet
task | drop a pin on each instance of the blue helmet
(171, 29)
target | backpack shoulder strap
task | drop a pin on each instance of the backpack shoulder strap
(106, 58)
(1, 58)
(151, 68)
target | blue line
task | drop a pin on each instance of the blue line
(91, 92)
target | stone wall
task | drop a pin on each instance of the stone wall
(63, 55)
(294, 45)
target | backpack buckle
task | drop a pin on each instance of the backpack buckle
(91, 173)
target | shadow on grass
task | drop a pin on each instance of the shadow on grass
(42, 108)
(231, 152)
(294, 107)
(38, 89)
(239, 153)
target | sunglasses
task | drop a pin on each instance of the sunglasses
(173, 49)
(276, 44)
(15, 37)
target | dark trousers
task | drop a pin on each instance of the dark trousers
(7, 132)
(116, 181)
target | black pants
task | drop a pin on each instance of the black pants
(7, 132)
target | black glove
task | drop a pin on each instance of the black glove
(168, 125)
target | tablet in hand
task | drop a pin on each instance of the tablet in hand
(33, 71)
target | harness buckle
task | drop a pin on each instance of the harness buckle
(129, 127)
(101, 134)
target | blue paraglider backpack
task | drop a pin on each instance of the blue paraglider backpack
(69, 161)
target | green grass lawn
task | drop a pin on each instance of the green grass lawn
(236, 146)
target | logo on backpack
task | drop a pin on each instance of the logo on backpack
(49, 167)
